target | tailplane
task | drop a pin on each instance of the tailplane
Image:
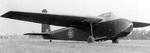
(45, 30)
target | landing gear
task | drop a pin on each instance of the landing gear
(115, 40)
(50, 40)
(90, 39)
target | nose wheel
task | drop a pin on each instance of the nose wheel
(50, 40)
(115, 40)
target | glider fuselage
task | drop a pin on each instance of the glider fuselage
(101, 31)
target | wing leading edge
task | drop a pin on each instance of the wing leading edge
(51, 19)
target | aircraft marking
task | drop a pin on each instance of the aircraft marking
(70, 33)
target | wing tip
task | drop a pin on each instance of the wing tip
(6, 14)
(139, 24)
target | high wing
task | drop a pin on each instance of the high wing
(52, 19)
(140, 24)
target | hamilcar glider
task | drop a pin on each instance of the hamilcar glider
(80, 28)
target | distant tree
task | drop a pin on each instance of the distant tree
(137, 34)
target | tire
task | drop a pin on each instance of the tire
(50, 40)
(90, 39)
(115, 41)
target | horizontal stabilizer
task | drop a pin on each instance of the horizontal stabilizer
(37, 34)
(140, 24)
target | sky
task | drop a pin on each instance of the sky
(134, 10)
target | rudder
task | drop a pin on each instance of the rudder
(45, 27)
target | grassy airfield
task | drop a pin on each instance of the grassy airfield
(59, 46)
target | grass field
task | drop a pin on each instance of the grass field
(59, 46)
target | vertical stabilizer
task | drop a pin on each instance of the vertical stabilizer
(45, 27)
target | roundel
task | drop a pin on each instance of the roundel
(70, 33)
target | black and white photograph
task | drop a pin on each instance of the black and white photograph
(74, 26)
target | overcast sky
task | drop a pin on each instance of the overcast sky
(135, 10)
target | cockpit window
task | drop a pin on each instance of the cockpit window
(107, 16)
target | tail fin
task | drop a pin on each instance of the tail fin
(44, 32)
(45, 27)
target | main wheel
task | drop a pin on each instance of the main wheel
(115, 40)
(90, 39)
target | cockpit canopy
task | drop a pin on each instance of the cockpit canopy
(107, 16)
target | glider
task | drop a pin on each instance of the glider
(80, 28)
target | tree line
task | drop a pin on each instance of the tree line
(136, 34)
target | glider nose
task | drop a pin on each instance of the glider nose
(129, 29)
(128, 24)
(122, 25)
(125, 28)
(125, 32)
